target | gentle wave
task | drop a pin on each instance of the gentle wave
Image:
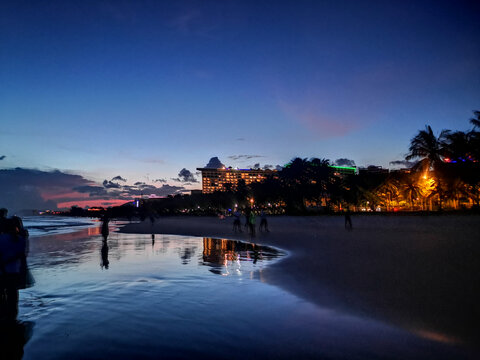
(49, 225)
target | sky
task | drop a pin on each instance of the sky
(147, 91)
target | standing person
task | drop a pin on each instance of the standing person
(236, 221)
(251, 222)
(14, 274)
(247, 218)
(3, 220)
(105, 230)
(263, 221)
(26, 279)
(348, 220)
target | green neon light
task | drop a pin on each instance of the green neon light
(343, 167)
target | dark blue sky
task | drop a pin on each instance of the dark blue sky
(146, 88)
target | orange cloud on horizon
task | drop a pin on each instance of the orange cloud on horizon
(91, 203)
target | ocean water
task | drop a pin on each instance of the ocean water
(48, 225)
(178, 297)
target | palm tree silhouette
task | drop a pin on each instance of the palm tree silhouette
(410, 189)
(475, 121)
(474, 136)
(428, 148)
(431, 151)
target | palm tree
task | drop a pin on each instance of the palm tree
(431, 151)
(410, 189)
(428, 148)
(474, 136)
(388, 192)
(475, 121)
(457, 146)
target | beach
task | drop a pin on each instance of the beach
(420, 273)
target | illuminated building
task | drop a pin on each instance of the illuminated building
(224, 179)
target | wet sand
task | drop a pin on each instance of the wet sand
(417, 272)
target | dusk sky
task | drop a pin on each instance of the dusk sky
(144, 89)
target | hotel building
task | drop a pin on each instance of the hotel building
(227, 178)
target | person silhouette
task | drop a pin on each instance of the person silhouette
(348, 220)
(236, 221)
(104, 227)
(263, 221)
(14, 274)
(251, 222)
(247, 218)
(3, 220)
(13, 337)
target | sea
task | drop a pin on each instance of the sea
(49, 224)
(143, 296)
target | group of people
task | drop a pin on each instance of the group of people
(250, 221)
(14, 273)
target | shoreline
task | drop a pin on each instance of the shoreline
(419, 273)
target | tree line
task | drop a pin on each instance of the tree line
(445, 175)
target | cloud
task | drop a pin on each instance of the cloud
(35, 189)
(244, 157)
(2, 157)
(160, 180)
(405, 163)
(324, 124)
(110, 185)
(119, 178)
(92, 190)
(268, 167)
(240, 139)
(185, 176)
(344, 162)
(150, 190)
(154, 161)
